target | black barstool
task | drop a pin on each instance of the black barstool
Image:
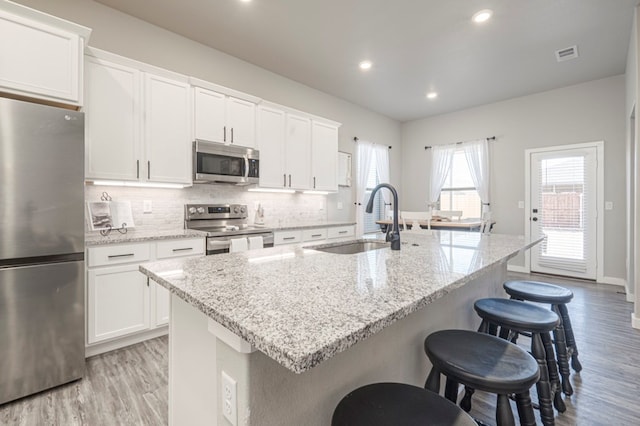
(486, 363)
(397, 404)
(517, 317)
(557, 297)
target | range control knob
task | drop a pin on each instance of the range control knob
(243, 209)
(192, 210)
(236, 209)
(200, 210)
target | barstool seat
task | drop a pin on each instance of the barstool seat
(557, 297)
(397, 404)
(516, 315)
(483, 362)
(535, 291)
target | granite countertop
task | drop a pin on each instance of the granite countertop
(287, 226)
(136, 236)
(301, 306)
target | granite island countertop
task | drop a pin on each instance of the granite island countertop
(135, 236)
(301, 306)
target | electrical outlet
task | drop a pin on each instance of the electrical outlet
(146, 206)
(521, 204)
(229, 398)
(339, 205)
(608, 205)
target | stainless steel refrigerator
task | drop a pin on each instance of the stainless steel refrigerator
(41, 247)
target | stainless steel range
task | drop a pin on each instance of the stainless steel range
(222, 223)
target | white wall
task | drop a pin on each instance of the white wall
(633, 174)
(585, 112)
(127, 36)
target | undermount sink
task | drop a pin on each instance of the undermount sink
(351, 247)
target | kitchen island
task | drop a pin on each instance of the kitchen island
(296, 328)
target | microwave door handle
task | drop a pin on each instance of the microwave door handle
(246, 166)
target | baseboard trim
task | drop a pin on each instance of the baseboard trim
(614, 281)
(517, 268)
(635, 321)
(100, 348)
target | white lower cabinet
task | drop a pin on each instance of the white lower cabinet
(123, 305)
(312, 234)
(118, 302)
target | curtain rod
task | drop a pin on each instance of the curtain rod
(356, 139)
(490, 138)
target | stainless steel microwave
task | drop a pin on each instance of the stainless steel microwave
(217, 163)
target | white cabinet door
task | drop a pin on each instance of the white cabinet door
(209, 115)
(298, 152)
(112, 121)
(39, 60)
(271, 128)
(161, 305)
(118, 302)
(167, 130)
(324, 157)
(241, 122)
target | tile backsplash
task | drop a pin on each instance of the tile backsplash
(167, 210)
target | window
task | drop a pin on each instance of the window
(459, 192)
(370, 224)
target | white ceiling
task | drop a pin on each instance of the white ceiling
(415, 45)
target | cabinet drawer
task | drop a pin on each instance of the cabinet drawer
(287, 237)
(182, 247)
(341, 231)
(314, 234)
(117, 254)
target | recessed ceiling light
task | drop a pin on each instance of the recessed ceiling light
(245, 1)
(432, 95)
(482, 16)
(365, 65)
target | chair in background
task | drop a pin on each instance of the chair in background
(413, 219)
(487, 223)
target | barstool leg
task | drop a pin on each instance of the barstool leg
(451, 390)
(543, 386)
(561, 352)
(525, 409)
(571, 341)
(504, 416)
(465, 402)
(554, 378)
(433, 381)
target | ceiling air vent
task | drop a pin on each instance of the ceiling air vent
(567, 53)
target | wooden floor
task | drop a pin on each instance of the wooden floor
(129, 386)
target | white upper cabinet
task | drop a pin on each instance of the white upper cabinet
(112, 120)
(221, 117)
(138, 122)
(298, 152)
(324, 156)
(167, 130)
(41, 56)
(271, 124)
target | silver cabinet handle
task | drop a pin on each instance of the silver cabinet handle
(183, 249)
(115, 256)
(289, 181)
(342, 232)
(285, 179)
(316, 235)
(137, 169)
(288, 238)
(232, 135)
(148, 169)
(314, 182)
(224, 136)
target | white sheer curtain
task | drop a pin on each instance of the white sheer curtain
(365, 153)
(441, 158)
(477, 153)
(382, 167)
